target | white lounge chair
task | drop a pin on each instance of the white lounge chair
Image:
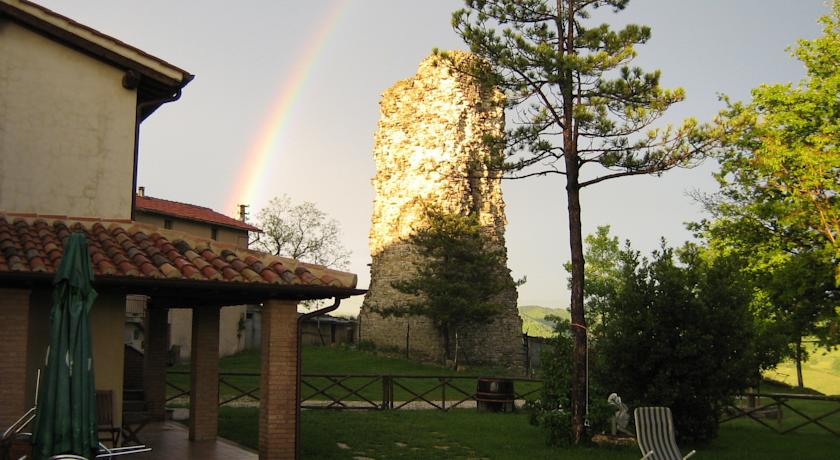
(655, 434)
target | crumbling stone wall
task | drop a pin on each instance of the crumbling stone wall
(429, 149)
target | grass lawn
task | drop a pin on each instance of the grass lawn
(469, 434)
(328, 434)
(342, 361)
(821, 372)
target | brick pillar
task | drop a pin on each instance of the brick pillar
(14, 330)
(154, 361)
(278, 381)
(204, 380)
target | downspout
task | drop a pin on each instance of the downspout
(300, 321)
(131, 80)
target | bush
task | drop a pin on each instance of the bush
(679, 335)
(553, 410)
(675, 330)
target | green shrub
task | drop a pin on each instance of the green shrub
(679, 333)
(553, 410)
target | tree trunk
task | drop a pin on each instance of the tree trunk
(445, 331)
(455, 363)
(579, 369)
(800, 383)
(408, 338)
(566, 12)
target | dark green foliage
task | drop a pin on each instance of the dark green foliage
(562, 73)
(462, 274)
(679, 333)
(552, 411)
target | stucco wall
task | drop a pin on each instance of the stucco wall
(66, 130)
(231, 341)
(224, 235)
(107, 319)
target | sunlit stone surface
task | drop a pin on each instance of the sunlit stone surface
(429, 149)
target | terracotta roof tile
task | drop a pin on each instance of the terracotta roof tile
(32, 244)
(189, 212)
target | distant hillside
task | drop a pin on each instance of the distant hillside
(534, 322)
(821, 372)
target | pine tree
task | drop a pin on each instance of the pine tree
(578, 103)
(461, 275)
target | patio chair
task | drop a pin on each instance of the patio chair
(105, 417)
(655, 434)
(105, 452)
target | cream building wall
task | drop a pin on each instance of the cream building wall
(107, 319)
(67, 116)
(231, 330)
(224, 234)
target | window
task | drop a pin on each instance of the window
(214, 233)
(167, 224)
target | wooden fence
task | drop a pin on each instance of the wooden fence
(790, 412)
(357, 391)
(780, 412)
(384, 392)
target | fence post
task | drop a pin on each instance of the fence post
(390, 392)
(386, 392)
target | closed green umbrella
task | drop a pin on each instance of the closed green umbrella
(66, 419)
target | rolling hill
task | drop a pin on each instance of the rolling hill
(534, 322)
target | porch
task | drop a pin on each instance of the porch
(170, 440)
(174, 270)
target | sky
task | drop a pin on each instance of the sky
(286, 101)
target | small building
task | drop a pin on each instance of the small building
(71, 103)
(328, 330)
(206, 223)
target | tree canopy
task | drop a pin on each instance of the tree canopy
(301, 232)
(778, 202)
(460, 277)
(679, 333)
(783, 160)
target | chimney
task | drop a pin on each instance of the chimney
(141, 191)
(243, 214)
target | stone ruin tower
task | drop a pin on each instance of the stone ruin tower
(429, 150)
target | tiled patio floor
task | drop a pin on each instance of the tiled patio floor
(169, 441)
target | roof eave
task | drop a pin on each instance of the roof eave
(191, 293)
(47, 22)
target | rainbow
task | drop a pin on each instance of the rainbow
(254, 168)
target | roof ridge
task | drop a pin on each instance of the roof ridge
(190, 211)
(183, 203)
